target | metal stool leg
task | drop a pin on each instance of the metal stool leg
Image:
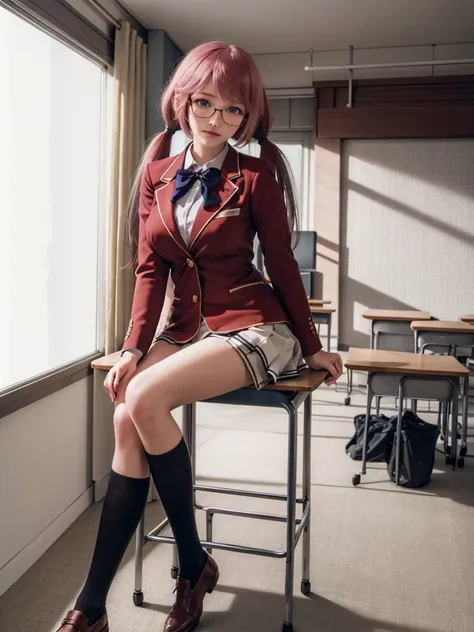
(291, 516)
(139, 541)
(306, 493)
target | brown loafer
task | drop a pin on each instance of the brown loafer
(187, 610)
(75, 621)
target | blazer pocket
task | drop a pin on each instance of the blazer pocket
(241, 287)
(228, 212)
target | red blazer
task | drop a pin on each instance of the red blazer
(214, 276)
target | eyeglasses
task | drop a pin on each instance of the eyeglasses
(232, 115)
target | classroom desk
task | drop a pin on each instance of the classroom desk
(394, 326)
(468, 318)
(323, 316)
(408, 376)
(452, 337)
(392, 322)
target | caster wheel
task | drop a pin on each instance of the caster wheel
(347, 401)
(138, 597)
(461, 462)
(356, 479)
(448, 460)
(305, 587)
(463, 451)
(174, 572)
(287, 627)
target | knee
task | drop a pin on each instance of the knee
(143, 401)
(124, 428)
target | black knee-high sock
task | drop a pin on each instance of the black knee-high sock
(172, 476)
(123, 506)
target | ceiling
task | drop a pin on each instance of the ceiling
(266, 26)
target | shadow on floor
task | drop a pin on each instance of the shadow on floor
(251, 610)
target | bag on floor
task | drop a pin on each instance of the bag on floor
(417, 455)
(381, 434)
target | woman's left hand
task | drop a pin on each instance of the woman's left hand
(332, 362)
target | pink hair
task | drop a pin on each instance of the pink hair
(236, 78)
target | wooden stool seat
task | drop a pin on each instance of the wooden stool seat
(307, 381)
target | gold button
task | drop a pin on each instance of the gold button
(190, 263)
(195, 298)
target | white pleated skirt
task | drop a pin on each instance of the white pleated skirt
(270, 352)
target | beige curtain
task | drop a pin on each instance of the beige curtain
(128, 146)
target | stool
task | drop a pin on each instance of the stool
(288, 394)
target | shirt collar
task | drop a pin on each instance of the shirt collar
(217, 161)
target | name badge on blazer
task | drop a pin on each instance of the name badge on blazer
(228, 212)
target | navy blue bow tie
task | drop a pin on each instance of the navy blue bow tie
(210, 180)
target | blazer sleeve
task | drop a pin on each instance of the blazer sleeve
(271, 221)
(151, 279)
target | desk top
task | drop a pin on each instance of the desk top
(453, 326)
(403, 315)
(467, 318)
(378, 360)
(317, 309)
(307, 380)
(318, 301)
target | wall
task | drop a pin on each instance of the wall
(286, 70)
(45, 475)
(407, 230)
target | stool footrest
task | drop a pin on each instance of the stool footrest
(243, 492)
(237, 548)
(243, 514)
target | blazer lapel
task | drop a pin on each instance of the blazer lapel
(229, 172)
(164, 204)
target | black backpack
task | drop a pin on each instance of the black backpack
(381, 434)
(418, 447)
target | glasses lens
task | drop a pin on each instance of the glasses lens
(231, 117)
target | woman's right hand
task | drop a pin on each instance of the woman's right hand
(124, 368)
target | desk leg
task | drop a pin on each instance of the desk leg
(454, 426)
(329, 332)
(356, 477)
(465, 404)
(399, 435)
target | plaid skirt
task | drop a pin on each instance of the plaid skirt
(270, 352)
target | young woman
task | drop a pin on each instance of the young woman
(196, 215)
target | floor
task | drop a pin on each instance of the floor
(384, 559)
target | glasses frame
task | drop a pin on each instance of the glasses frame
(244, 118)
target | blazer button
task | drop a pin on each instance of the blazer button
(190, 263)
(195, 298)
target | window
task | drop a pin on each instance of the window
(53, 138)
(297, 148)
